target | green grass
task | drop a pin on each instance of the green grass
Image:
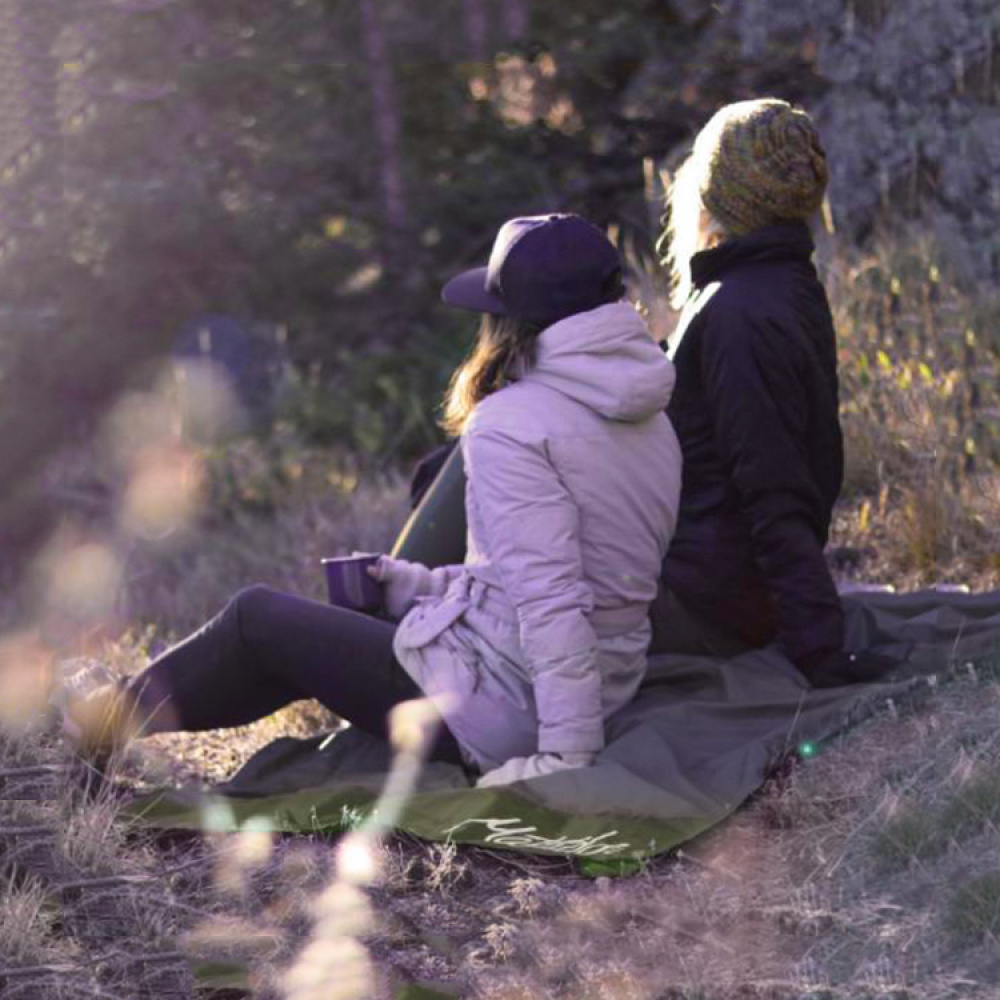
(923, 830)
(975, 806)
(974, 909)
(911, 835)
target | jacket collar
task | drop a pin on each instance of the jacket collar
(772, 243)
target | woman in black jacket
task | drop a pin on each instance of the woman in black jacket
(755, 408)
(756, 403)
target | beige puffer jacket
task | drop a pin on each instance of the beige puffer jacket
(574, 477)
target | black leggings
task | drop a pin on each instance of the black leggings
(266, 649)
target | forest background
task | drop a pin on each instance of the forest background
(224, 228)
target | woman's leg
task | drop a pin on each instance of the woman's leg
(266, 649)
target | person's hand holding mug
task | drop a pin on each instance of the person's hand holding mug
(401, 583)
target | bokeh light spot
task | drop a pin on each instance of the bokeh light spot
(85, 581)
(164, 492)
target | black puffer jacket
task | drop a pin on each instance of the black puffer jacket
(756, 411)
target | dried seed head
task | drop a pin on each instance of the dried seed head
(413, 724)
(342, 910)
(26, 677)
(254, 843)
(357, 863)
(337, 969)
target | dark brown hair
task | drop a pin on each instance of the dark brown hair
(505, 347)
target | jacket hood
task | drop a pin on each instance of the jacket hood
(607, 360)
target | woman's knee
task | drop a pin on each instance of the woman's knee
(255, 605)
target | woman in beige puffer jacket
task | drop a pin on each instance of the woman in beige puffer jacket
(572, 495)
(573, 485)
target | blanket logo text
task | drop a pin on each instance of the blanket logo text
(507, 833)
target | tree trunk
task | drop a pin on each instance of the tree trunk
(32, 105)
(476, 28)
(753, 29)
(385, 107)
(516, 15)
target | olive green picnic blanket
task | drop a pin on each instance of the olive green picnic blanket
(698, 739)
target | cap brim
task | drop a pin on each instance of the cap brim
(468, 291)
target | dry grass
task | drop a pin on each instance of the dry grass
(327, 510)
(27, 921)
(84, 910)
(796, 896)
(920, 374)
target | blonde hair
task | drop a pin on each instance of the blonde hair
(689, 228)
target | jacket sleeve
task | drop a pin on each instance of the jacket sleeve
(759, 406)
(404, 581)
(532, 528)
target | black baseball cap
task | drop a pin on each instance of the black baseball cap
(542, 268)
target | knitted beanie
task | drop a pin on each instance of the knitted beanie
(762, 165)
